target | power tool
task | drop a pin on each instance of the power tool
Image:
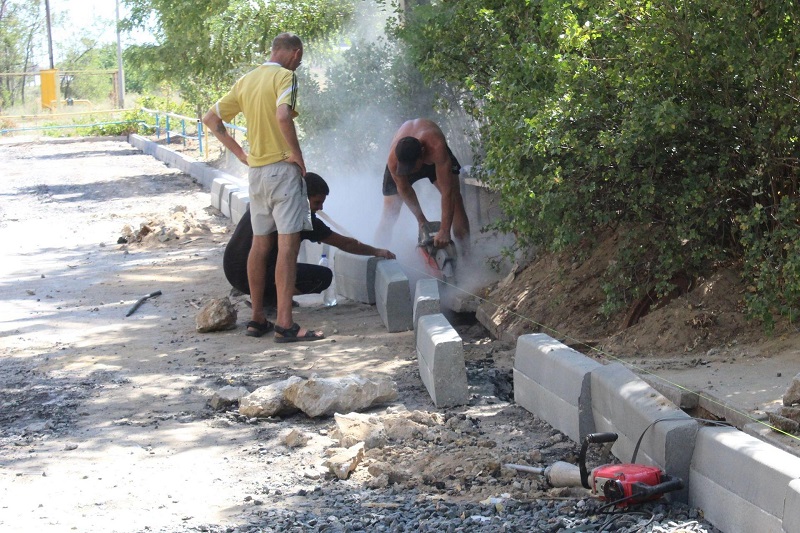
(618, 484)
(440, 262)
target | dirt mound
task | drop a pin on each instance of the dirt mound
(180, 223)
(563, 296)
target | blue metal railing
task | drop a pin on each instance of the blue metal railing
(163, 122)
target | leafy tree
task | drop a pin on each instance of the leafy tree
(202, 47)
(674, 122)
(20, 23)
(80, 62)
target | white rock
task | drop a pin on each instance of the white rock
(344, 462)
(217, 315)
(295, 438)
(326, 396)
(227, 396)
(400, 428)
(269, 400)
(357, 427)
(792, 395)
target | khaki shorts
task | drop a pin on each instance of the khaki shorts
(278, 199)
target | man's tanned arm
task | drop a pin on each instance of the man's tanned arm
(352, 246)
(409, 196)
(217, 127)
(448, 188)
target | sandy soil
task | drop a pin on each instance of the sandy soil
(105, 425)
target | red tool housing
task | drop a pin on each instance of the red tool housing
(617, 482)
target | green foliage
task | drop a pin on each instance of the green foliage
(167, 104)
(771, 258)
(20, 23)
(350, 115)
(84, 72)
(202, 47)
(668, 119)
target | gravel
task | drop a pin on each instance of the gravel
(331, 508)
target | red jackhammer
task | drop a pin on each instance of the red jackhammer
(618, 484)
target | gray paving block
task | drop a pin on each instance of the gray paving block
(440, 354)
(552, 381)
(426, 299)
(680, 396)
(740, 482)
(183, 162)
(218, 190)
(791, 509)
(199, 171)
(228, 190)
(740, 516)
(393, 296)
(240, 200)
(137, 141)
(627, 405)
(540, 401)
(165, 155)
(355, 276)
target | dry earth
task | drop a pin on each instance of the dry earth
(105, 424)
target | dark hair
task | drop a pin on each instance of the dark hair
(287, 41)
(408, 150)
(316, 185)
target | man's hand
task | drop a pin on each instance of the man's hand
(297, 159)
(442, 239)
(386, 254)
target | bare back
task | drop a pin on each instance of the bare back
(429, 135)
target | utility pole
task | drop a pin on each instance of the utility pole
(120, 71)
(49, 33)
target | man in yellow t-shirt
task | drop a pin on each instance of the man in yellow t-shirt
(267, 96)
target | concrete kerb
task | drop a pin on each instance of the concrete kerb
(552, 381)
(440, 354)
(393, 296)
(355, 276)
(743, 484)
(426, 299)
(625, 404)
(791, 508)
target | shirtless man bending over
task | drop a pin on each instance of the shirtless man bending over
(419, 150)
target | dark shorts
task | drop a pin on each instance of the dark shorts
(427, 171)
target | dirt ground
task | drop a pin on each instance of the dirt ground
(700, 341)
(105, 424)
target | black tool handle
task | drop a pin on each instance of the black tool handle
(596, 438)
(591, 438)
(643, 491)
(140, 301)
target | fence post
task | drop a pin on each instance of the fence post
(167, 129)
(200, 135)
(158, 126)
(183, 131)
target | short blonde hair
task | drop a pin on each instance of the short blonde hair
(287, 41)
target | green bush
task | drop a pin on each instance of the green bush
(672, 120)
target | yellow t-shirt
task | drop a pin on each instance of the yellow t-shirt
(257, 95)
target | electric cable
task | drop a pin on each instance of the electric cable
(667, 419)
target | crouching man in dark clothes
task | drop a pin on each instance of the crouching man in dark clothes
(310, 278)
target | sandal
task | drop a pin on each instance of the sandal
(290, 334)
(258, 328)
